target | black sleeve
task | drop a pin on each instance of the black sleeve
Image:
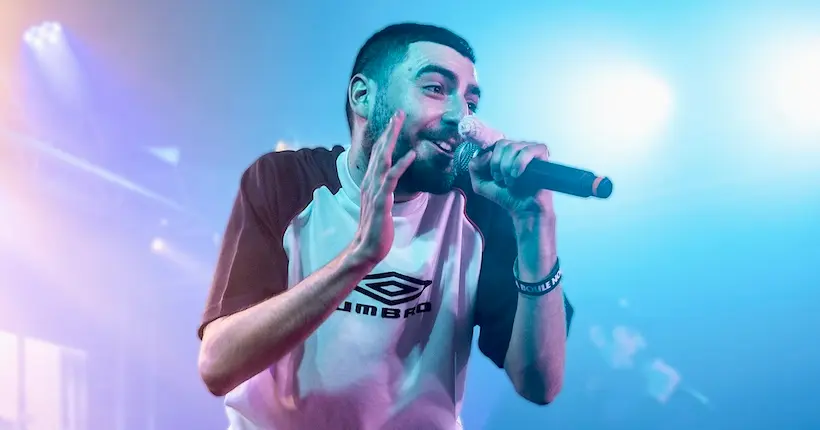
(252, 265)
(497, 296)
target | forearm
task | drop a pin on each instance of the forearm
(536, 354)
(241, 345)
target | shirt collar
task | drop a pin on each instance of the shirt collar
(353, 192)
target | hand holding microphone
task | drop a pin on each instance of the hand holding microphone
(521, 166)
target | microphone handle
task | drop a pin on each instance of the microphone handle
(564, 179)
(541, 174)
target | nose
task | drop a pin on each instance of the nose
(457, 109)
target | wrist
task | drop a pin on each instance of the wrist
(356, 258)
(540, 287)
(536, 245)
(535, 232)
(528, 222)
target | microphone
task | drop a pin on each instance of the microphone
(480, 139)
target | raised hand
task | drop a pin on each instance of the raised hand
(374, 237)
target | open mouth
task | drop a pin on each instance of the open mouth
(444, 146)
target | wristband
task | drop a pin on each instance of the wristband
(541, 287)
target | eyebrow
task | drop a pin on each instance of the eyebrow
(448, 74)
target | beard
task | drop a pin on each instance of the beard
(428, 173)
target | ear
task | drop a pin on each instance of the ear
(360, 93)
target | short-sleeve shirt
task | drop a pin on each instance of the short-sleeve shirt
(393, 355)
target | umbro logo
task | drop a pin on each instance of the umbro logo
(392, 288)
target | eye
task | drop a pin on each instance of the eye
(473, 106)
(435, 88)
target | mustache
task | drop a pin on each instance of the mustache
(443, 135)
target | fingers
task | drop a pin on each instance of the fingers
(386, 144)
(499, 152)
(513, 166)
(399, 168)
(511, 158)
(384, 173)
(479, 165)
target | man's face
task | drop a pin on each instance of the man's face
(435, 86)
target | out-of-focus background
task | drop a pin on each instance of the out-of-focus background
(125, 125)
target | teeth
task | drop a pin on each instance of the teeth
(446, 146)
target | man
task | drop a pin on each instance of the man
(350, 280)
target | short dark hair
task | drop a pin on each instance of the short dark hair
(388, 47)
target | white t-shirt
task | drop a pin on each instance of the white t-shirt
(394, 354)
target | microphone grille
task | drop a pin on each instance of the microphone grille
(462, 156)
(477, 136)
(467, 127)
(472, 128)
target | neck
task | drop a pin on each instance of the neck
(400, 197)
(357, 163)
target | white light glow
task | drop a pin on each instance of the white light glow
(619, 104)
(167, 154)
(47, 33)
(9, 377)
(775, 88)
(158, 245)
(792, 82)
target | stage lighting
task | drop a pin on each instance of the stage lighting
(282, 146)
(47, 33)
(158, 245)
(624, 103)
(794, 79)
(780, 89)
(170, 154)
